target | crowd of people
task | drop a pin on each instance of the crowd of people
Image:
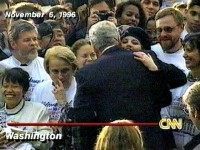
(101, 61)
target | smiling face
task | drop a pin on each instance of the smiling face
(168, 33)
(12, 94)
(192, 56)
(130, 16)
(193, 19)
(85, 55)
(151, 31)
(131, 43)
(150, 7)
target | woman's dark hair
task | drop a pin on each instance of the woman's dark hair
(123, 5)
(160, 2)
(193, 40)
(139, 34)
(17, 75)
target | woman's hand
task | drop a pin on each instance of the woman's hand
(93, 18)
(59, 93)
(112, 18)
(146, 59)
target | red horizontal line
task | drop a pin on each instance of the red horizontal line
(83, 124)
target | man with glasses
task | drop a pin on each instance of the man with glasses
(50, 34)
(169, 27)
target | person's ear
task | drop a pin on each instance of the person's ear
(197, 114)
(13, 45)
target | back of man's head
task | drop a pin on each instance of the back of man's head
(104, 34)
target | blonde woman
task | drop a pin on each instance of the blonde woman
(120, 137)
(60, 64)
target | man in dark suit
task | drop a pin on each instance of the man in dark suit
(117, 86)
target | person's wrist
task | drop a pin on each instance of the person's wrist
(153, 68)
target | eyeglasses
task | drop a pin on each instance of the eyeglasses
(167, 29)
(62, 71)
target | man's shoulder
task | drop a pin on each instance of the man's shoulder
(39, 60)
(7, 63)
(5, 60)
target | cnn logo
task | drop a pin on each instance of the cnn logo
(167, 123)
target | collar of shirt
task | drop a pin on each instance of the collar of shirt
(19, 63)
(16, 109)
(107, 49)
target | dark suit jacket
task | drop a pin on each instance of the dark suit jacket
(115, 87)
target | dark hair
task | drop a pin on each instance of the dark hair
(123, 5)
(78, 44)
(191, 3)
(44, 29)
(17, 75)
(149, 19)
(54, 24)
(193, 40)
(95, 2)
(160, 2)
(139, 34)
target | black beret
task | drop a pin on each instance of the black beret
(139, 34)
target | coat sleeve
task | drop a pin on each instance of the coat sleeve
(84, 110)
(173, 75)
(43, 118)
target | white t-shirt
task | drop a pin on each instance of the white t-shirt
(183, 34)
(171, 58)
(43, 94)
(35, 69)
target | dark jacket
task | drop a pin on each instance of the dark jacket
(116, 87)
